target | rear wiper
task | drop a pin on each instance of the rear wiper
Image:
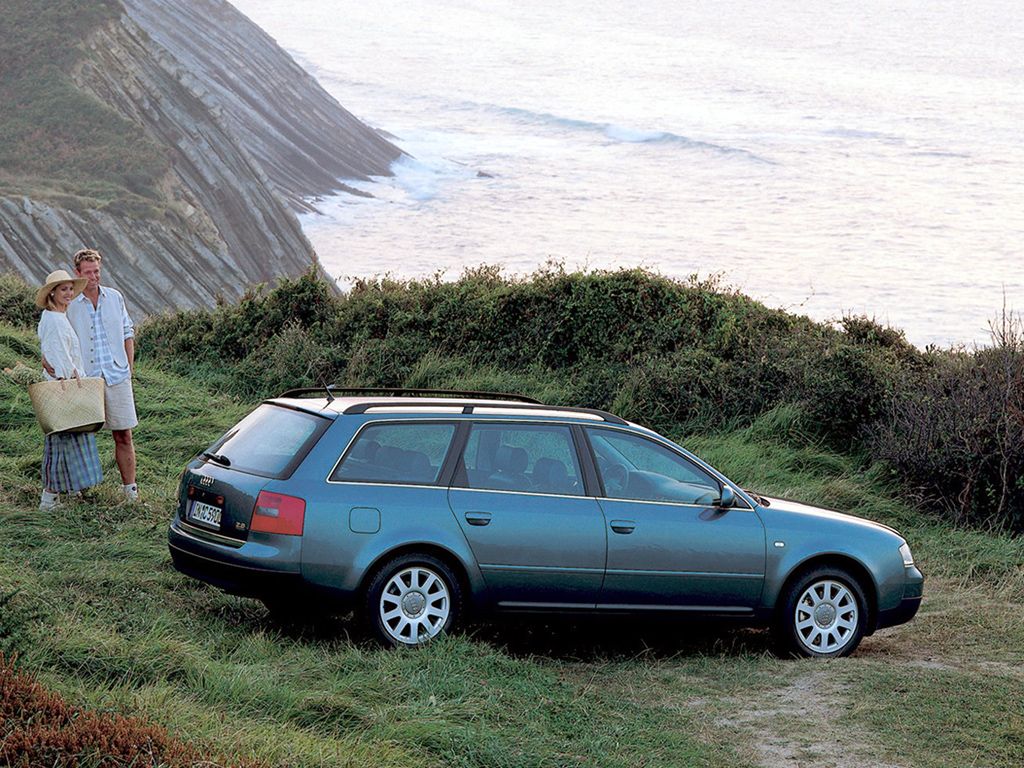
(219, 458)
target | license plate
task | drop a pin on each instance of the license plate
(204, 514)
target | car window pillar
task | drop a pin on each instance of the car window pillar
(453, 462)
(588, 463)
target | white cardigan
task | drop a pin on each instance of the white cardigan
(60, 346)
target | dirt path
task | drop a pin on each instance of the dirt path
(799, 726)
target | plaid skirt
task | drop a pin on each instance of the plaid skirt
(71, 461)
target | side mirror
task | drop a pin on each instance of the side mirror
(727, 500)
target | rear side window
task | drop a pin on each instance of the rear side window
(408, 452)
(271, 441)
(521, 457)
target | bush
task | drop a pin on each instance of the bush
(17, 302)
(660, 351)
(955, 434)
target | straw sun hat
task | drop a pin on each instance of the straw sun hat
(54, 279)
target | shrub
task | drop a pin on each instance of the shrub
(680, 356)
(17, 302)
(955, 432)
(661, 351)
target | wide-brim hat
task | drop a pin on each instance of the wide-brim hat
(55, 278)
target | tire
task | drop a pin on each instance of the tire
(412, 599)
(822, 615)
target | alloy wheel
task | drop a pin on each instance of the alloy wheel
(414, 605)
(826, 617)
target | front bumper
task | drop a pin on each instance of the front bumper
(907, 608)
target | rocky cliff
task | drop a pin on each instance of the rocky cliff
(248, 136)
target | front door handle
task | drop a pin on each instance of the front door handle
(478, 518)
(623, 526)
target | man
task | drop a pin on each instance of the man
(107, 337)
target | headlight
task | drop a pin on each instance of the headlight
(908, 559)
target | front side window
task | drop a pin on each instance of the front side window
(633, 467)
(521, 457)
(406, 453)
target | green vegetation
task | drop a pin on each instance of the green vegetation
(60, 144)
(688, 357)
(89, 601)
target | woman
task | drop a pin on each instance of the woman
(70, 459)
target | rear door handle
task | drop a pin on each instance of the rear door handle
(478, 518)
(623, 526)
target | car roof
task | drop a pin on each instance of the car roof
(448, 406)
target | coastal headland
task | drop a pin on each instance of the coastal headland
(175, 135)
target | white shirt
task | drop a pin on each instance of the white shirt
(60, 346)
(102, 331)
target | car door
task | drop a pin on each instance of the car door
(518, 495)
(669, 546)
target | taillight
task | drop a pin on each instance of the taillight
(277, 513)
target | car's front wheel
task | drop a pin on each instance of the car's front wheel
(822, 614)
(412, 599)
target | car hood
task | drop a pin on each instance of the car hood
(820, 513)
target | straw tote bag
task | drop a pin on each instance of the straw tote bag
(69, 405)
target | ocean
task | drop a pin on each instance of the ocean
(825, 158)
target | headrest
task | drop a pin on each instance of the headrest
(550, 473)
(512, 460)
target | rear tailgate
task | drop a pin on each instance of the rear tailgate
(219, 489)
(218, 500)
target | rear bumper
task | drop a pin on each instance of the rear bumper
(236, 579)
(231, 569)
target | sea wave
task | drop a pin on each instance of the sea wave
(860, 133)
(621, 133)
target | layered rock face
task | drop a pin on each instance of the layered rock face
(297, 132)
(249, 135)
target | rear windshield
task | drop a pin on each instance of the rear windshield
(271, 441)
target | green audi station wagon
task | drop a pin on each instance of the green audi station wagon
(417, 508)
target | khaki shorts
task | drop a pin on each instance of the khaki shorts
(119, 401)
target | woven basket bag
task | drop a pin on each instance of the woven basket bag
(70, 405)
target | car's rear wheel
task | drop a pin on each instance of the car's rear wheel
(822, 614)
(412, 599)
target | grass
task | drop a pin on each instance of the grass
(91, 604)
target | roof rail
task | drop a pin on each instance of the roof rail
(611, 418)
(333, 391)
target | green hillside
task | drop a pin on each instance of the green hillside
(60, 144)
(91, 605)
